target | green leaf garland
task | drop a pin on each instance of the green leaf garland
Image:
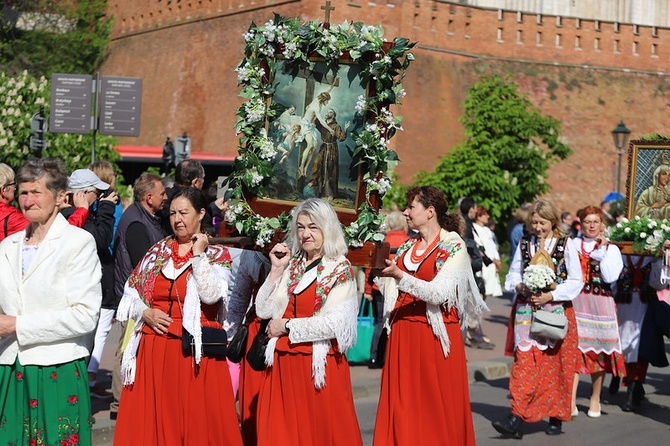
(382, 65)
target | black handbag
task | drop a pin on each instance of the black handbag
(256, 353)
(214, 342)
(238, 345)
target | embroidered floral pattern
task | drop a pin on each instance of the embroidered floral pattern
(445, 249)
(145, 273)
(340, 274)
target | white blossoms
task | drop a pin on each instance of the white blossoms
(538, 277)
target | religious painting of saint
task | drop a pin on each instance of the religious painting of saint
(648, 185)
(316, 113)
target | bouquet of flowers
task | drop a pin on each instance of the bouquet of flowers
(539, 278)
(647, 234)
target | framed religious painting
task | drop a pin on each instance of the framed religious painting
(316, 122)
(648, 182)
(313, 134)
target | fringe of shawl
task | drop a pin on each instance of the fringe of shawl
(339, 318)
(454, 287)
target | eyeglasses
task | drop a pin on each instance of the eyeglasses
(13, 183)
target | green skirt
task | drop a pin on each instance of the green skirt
(45, 405)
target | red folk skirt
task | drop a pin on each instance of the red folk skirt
(540, 382)
(250, 386)
(291, 411)
(425, 397)
(173, 402)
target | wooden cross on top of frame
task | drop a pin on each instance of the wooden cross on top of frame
(327, 8)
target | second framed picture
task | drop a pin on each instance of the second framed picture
(648, 182)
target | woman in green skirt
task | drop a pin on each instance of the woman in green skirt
(49, 302)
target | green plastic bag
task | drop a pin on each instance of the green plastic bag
(360, 353)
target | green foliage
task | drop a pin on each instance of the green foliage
(395, 196)
(20, 98)
(655, 137)
(380, 64)
(69, 37)
(508, 150)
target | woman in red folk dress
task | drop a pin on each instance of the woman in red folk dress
(595, 310)
(543, 371)
(429, 292)
(311, 298)
(174, 396)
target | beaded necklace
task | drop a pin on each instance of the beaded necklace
(420, 257)
(178, 260)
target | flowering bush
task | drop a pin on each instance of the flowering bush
(647, 234)
(381, 64)
(538, 278)
(21, 97)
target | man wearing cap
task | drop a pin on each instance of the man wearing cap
(90, 189)
(100, 221)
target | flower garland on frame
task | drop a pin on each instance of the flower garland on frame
(295, 41)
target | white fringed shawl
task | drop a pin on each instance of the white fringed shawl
(336, 319)
(453, 286)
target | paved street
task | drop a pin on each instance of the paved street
(489, 395)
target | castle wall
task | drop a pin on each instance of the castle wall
(186, 52)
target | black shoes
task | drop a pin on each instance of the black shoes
(554, 427)
(638, 393)
(628, 405)
(614, 385)
(510, 427)
(634, 396)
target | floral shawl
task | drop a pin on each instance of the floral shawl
(207, 281)
(335, 309)
(453, 286)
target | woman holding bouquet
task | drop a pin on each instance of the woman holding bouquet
(595, 310)
(544, 369)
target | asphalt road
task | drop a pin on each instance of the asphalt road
(489, 396)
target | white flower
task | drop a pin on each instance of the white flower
(627, 230)
(538, 277)
(637, 218)
(624, 220)
(643, 235)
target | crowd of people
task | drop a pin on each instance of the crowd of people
(75, 260)
(613, 309)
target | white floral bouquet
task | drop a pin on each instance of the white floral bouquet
(647, 234)
(539, 278)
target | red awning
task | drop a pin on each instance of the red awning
(154, 154)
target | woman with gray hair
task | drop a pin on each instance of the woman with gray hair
(311, 298)
(49, 303)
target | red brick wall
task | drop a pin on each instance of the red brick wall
(186, 51)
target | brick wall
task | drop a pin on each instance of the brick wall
(186, 51)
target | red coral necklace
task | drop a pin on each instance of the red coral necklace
(419, 258)
(178, 260)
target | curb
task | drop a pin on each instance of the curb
(489, 370)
